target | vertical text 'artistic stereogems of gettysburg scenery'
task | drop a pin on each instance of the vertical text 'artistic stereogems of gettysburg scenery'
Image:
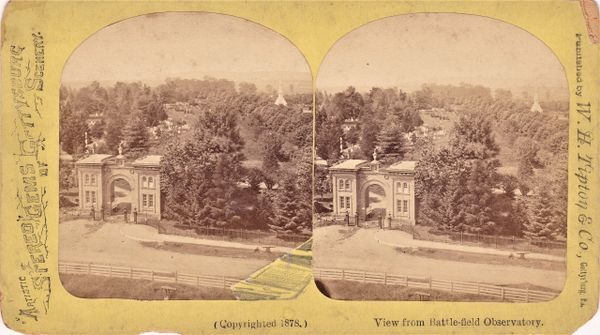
(441, 168)
(186, 161)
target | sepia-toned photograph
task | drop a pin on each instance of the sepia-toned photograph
(441, 163)
(186, 161)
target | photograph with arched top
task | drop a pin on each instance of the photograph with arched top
(441, 163)
(185, 162)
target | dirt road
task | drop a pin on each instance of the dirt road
(337, 247)
(84, 241)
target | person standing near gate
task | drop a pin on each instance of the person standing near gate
(347, 218)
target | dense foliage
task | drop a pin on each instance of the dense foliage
(486, 163)
(210, 134)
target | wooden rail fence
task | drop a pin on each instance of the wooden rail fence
(504, 293)
(153, 275)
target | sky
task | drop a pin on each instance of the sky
(407, 51)
(184, 44)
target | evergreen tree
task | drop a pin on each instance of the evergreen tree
(136, 137)
(200, 175)
(476, 201)
(541, 223)
(368, 137)
(114, 132)
(289, 217)
(391, 142)
(73, 127)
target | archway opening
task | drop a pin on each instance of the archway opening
(120, 196)
(375, 203)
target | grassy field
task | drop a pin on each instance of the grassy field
(87, 286)
(196, 249)
(348, 290)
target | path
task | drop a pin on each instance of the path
(398, 238)
(143, 233)
(103, 243)
(337, 247)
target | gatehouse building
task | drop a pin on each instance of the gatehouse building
(116, 184)
(373, 191)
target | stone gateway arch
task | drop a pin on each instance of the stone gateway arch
(100, 176)
(365, 188)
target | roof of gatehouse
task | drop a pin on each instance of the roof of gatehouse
(94, 159)
(349, 164)
(150, 160)
(403, 166)
(359, 164)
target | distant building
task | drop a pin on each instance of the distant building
(536, 108)
(94, 119)
(348, 124)
(280, 99)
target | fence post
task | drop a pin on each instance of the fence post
(364, 276)
(430, 283)
(461, 240)
(502, 288)
(110, 271)
(385, 278)
(513, 242)
(478, 288)
(496, 241)
(451, 287)
(224, 285)
(152, 274)
(343, 276)
(130, 272)
(527, 295)
(89, 268)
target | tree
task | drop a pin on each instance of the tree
(136, 136)
(476, 201)
(199, 175)
(391, 142)
(472, 137)
(540, 223)
(328, 135)
(153, 111)
(368, 137)
(254, 177)
(97, 129)
(272, 154)
(114, 132)
(73, 127)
